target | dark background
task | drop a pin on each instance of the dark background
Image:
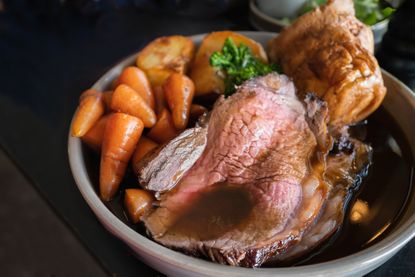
(50, 51)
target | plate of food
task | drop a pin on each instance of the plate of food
(251, 153)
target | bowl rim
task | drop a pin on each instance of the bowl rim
(370, 257)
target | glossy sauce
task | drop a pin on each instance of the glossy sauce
(216, 212)
(375, 206)
(373, 210)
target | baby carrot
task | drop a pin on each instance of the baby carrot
(137, 202)
(91, 108)
(93, 138)
(136, 79)
(89, 92)
(126, 100)
(144, 146)
(160, 100)
(164, 129)
(107, 96)
(121, 135)
(178, 91)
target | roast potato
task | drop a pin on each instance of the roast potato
(165, 55)
(206, 78)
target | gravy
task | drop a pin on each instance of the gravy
(215, 212)
(376, 204)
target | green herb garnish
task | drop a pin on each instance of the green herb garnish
(238, 65)
(369, 12)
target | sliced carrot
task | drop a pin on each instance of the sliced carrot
(93, 138)
(91, 108)
(195, 112)
(178, 91)
(126, 100)
(144, 146)
(160, 100)
(164, 129)
(121, 135)
(137, 202)
(107, 96)
(136, 79)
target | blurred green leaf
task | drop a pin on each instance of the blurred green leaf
(369, 12)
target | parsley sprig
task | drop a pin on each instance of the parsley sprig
(239, 65)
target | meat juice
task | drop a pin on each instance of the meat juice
(217, 211)
(374, 206)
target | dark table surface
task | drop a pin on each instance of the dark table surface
(45, 62)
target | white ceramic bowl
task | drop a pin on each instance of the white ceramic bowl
(400, 103)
